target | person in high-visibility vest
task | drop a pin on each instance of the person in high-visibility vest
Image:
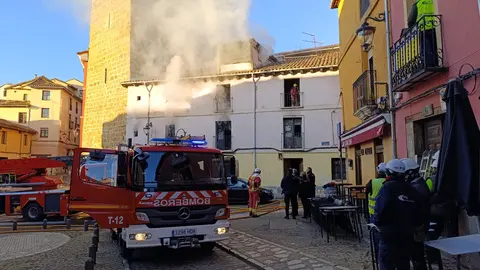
(372, 188)
(422, 16)
(412, 176)
(254, 183)
(431, 179)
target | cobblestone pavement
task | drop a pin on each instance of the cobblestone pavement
(25, 244)
(301, 236)
(269, 255)
(70, 255)
(157, 258)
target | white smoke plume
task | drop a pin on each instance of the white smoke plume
(80, 9)
(182, 38)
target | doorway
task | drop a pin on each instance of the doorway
(358, 165)
(294, 163)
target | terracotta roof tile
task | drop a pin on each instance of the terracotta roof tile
(15, 126)
(43, 82)
(14, 103)
(322, 58)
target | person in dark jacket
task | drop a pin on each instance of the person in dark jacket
(307, 191)
(397, 215)
(412, 176)
(289, 190)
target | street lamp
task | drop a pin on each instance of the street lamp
(149, 125)
(366, 33)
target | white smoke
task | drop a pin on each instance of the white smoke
(182, 38)
(80, 9)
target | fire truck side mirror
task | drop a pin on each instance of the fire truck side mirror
(122, 169)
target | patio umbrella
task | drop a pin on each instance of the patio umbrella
(458, 173)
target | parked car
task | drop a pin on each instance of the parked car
(238, 192)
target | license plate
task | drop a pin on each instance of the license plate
(184, 232)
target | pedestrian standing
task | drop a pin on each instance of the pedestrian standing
(304, 194)
(308, 190)
(412, 176)
(289, 192)
(397, 215)
(254, 183)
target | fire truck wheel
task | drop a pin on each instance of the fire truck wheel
(33, 212)
(126, 252)
(207, 246)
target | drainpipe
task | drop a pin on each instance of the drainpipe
(389, 70)
(255, 88)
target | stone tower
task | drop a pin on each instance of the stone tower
(104, 115)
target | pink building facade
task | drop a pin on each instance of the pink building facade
(424, 59)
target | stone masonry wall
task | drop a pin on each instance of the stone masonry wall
(108, 66)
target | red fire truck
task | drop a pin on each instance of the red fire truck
(172, 193)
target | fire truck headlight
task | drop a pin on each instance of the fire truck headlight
(222, 230)
(221, 212)
(140, 236)
(142, 216)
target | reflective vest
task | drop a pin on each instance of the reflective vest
(427, 9)
(376, 185)
(254, 183)
(430, 183)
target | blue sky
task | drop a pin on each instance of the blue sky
(43, 38)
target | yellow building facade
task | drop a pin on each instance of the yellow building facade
(51, 107)
(15, 140)
(363, 84)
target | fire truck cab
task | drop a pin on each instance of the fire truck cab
(171, 193)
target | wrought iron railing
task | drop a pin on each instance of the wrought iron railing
(364, 90)
(418, 51)
(293, 140)
(291, 100)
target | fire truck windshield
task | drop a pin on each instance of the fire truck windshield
(180, 170)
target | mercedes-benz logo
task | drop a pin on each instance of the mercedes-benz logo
(184, 213)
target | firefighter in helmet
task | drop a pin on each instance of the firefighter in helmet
(254, 183)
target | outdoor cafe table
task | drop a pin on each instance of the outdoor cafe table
(352, 210)
(355, 196)
(457, 246)
(341, 189)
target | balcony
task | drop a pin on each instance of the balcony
(293, 141)
(418, 53)
(223, 105)
(365, 95)
(288, 101)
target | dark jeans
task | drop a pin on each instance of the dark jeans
(376, 240)
(291, 198)
(428, 48)
(418, 256)
(306, 206)
(394, 254)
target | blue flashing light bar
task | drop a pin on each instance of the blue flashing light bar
(186, 140)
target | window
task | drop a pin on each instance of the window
(70, 104)
(22, 117)
(99, 171)
(105, 77)
(139, 98)
(25, 97)
(70, 122)
(168, 171)
(169, 131)
(43, 132)
(45, 112)
(293, 133)
(76, 122)
(25, 140)
(291, 93)
(339, 169)
(45, 95)
(4, 137)
(364, 4)
(135, 133)
(76, 107)
(5, 92)
(223, 135)
(223, 98)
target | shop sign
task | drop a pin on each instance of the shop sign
(427, 110)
